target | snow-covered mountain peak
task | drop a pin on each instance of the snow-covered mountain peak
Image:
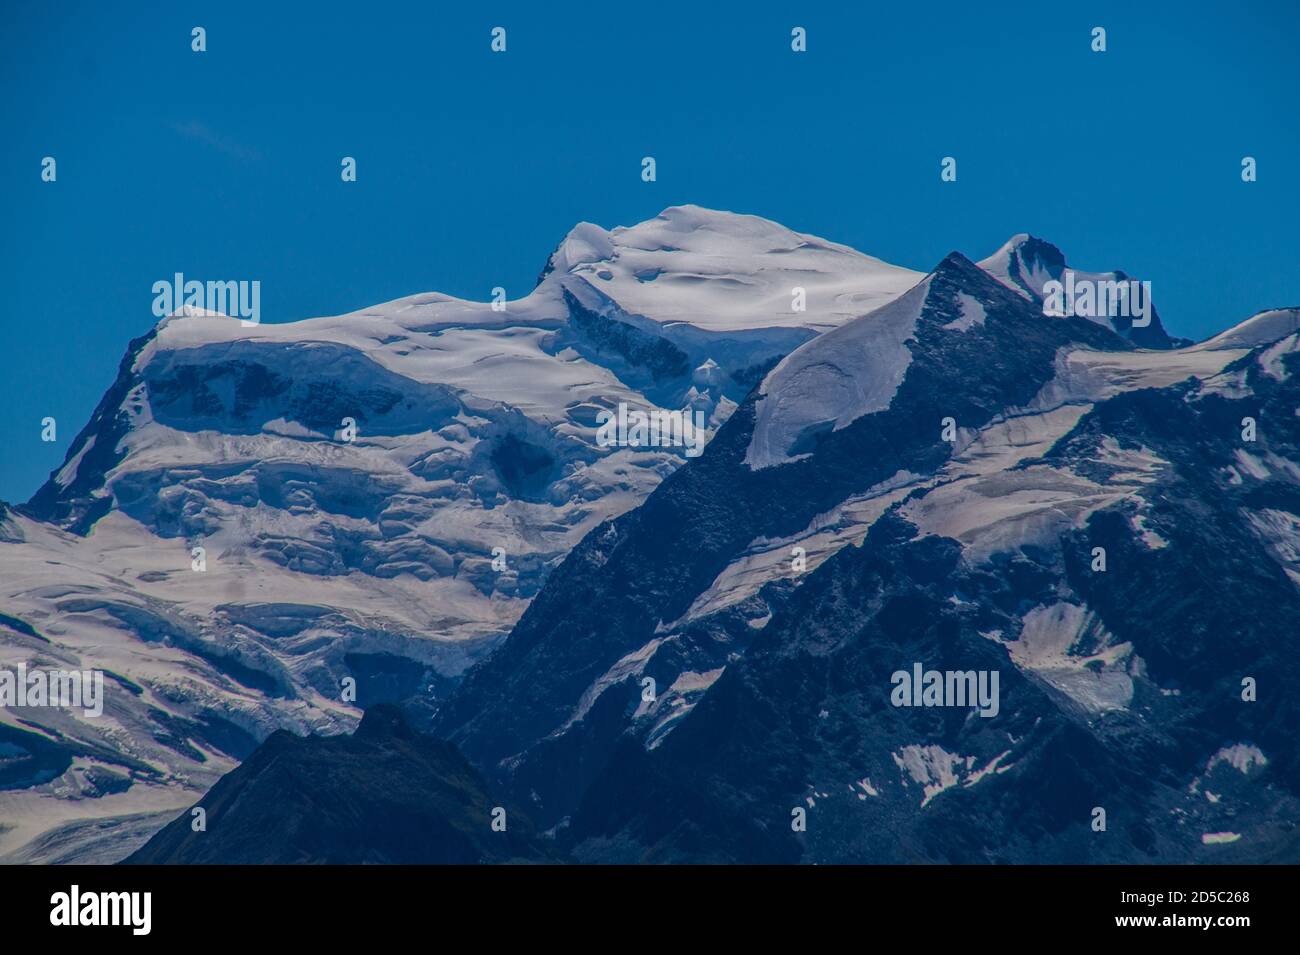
(694, 228)
(1262, 328)
(1025, 263)
(857, 369)
(722, 271)
(585, 243)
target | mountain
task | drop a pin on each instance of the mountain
(395, 559)
(914, 469)
(717, 272)
(381, 795)
(928, 486)
(1027, 263)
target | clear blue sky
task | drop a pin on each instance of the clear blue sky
(472, 165)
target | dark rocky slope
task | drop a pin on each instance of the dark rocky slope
(383, 795)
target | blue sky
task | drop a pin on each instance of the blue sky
(471, 166)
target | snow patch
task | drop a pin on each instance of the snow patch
(1252, 465)
(933, 767)
(1271, 358)
(1066, 646)
(1281, 530)
(1219, 838)
(972, 314)
(1242, 757)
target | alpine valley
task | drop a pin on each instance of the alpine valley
(643, 655)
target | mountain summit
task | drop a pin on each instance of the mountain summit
(720, 272)
(1027, 264)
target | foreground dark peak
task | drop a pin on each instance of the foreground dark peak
(386, 794)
